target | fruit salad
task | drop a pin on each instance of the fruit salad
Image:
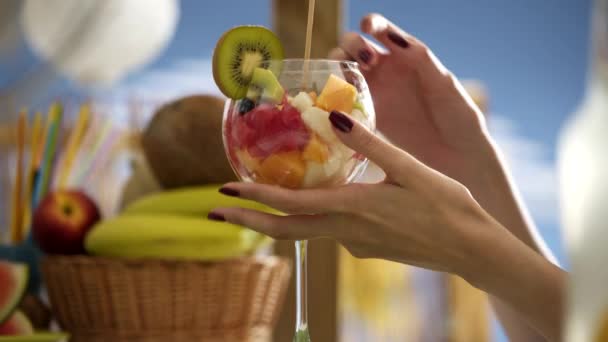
(276, 130)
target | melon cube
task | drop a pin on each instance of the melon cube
(317, 121)
(285, 169)
(302, 102)
(314, 176)
(333, 165)
(337, 95)
(316, 150)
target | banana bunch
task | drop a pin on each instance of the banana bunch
(173, 224)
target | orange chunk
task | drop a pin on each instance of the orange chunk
(286, 169)
(337, 95)
(316, 150)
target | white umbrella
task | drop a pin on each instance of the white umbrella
(98, 42)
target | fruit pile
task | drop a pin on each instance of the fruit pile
(165, 225)
(173, 225)
(162, 221)
(13, 322)
(270, 136)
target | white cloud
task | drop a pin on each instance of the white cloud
(187, 76)
(533, 170)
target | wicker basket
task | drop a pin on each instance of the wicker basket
(115, 300)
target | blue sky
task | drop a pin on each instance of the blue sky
(531, 55)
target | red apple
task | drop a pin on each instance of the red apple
(62, 221)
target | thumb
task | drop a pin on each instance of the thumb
(398, 165)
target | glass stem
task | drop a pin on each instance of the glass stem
(301, 290)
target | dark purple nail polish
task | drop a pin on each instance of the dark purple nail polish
(216, 217)
(365, 56)
(398, 39)
(341, 121)
(229, 192)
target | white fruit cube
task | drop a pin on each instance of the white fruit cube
(315, 174)
(332, 165)
(318, 121)
(302, 102)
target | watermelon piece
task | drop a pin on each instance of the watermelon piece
(18, 324)
(37, 337)
(13, 284)
(271, 129)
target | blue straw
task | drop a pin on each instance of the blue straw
(50, 148)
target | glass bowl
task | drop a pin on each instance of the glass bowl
(280, 132)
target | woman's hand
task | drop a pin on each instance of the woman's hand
(421, 107)
(416, 216)
(419, 216)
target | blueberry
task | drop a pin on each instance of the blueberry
(246, 106)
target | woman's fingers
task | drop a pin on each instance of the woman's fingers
(292, 227)
(360, 49)
(398, 165)
(387, 33)
(305, 201)
(339, 55)
(404, 46)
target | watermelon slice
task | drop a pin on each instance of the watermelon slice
(37, 337)
(17, 325)
(13, 284)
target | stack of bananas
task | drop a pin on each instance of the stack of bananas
(173, 225)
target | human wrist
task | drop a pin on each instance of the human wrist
(527, 282)
(483, 235)
(499, 260)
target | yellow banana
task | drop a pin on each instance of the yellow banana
(194, 201)
(170, 236)
(201, 252)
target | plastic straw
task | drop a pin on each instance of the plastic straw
(36, 137)
(104, 153)
(17, 200)
(50, 146)
(74, 144)
(101, 139)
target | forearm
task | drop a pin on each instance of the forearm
(485, 175)
(514, 274)
(492, 187)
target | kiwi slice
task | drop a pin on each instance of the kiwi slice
(239, 52)
(265, 85)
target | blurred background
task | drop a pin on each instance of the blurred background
(529, 56)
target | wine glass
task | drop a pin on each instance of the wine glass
(280, 134)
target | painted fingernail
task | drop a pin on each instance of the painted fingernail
(398, 39)
(341, 121)
(365, 56)
(229, 192)
(216, 217)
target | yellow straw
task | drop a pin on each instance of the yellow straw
(74, 143)
(31, 173)
(17, 204)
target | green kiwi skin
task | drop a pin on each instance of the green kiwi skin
(239, 44)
